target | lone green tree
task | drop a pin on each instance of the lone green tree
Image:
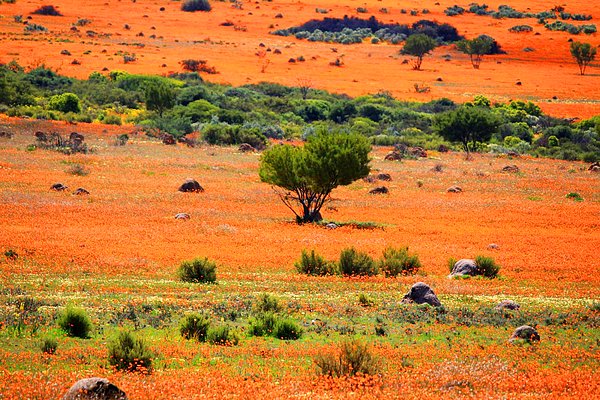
(467, 125)
(475, 49)
(583, 53)
(418, 45)
(303, 177)
(159, 97)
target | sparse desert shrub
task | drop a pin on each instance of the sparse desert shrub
(266, 303)
(47, 10)
(75, 322)
(198, 270)
(192, 65)
(195, 326)
(112, 119)
(35, 28)
(352, 358)
(121, 140)
(222, 335)
(196, 5)
(263, 324)
(574, 196)
(521, 28)
(357, 263)
(287, 329)
(398, 261)
(487, 267)
(49, 345)
(365, 300)
(314, 264)
(451, 262)
(78, 170)
(129, 353)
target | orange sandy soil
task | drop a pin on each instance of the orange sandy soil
(545, 73)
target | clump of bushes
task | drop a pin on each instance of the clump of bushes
(78, 170)
(75, 322)
(196, 5)
(487, 267)
(266, 303)
(35, 28)
(198, 270)
(270, 324)
(129, 353)
(355, 263)
(223, 335)
(314, 264)
(47, 10)
(521, 28)
(195, 326)
(353, 357)
(399, 262)
(49, 345)
(574, 196)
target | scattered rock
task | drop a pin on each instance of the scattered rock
(168, 139)
(59, 187)
(384, 177)
(80, 192)
(393, 156)
(493, 246)
(191, 186)
(508, 304)
(454, 189)
(443, 148)
(512, 153)
(595, 167)
(76, 138)
(525, 333)
(464, 267)
(4, 134)
(370, 179)
(510, 168)
(182, 216)
(246, 148)
(94, 389)
(379, 190)
(65, 52)
(421, 293)
(188, 141)
(417, 152)
(331, 225)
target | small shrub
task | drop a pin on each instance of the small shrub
(49, 345)
(451, 262)
(47, 10)
(121, 140)
(112, 119)
(10, 254)
(353, 262)
(287, 329)
(35, 28)
(222, 335)
(487, 267)
(195, 326)
(574, 196)
(196, 5)
(352, 358)
(364, 300)
(398, 261)
(313, 264)
(78, 170)
(198, 270)
(75, 322)
(263, 324)
(128, 353)
(266, 303)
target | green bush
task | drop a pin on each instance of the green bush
(398, 261)
(313, 264)
(287, 329)
(352, 358)
(266, 303)
(66, 102)
(75, 322)
(263, 324)
(222, 335)
(487, 267)
(353, 263)
(112, 119)
(198, 270)
(574, 196)
(128, 353)
(451, 262)
(196, 5)
(49, 345)
(195, 326)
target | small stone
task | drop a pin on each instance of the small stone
(182, 216)
(379, 190)
(493, 246)
(421, 293)
(246, 148)
(454, 189)
(191, 186)
(384, 177)
(510, 168)
(59, 187)
(331, 225)
(525, 333)
(508, 304)
(94, 389)
(81, 192)
(464, 266)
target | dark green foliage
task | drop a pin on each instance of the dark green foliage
(399, 262)
(487, 267)
(196, 5)
(75, 322)
(35, 28)
(129, 353)
(314, 264)
(418, 45)
(66, 102)
(195, 326)
(44, 78)
(287, 329)
(451, 262)
(355, 263)
(584, 54)
(47, 10)
(307, 175)
(159, 97)
(467, 125)
(49, 345)
(222, 335)
(454, 10)
(263, 324)
(574, 196)
(521, 28)
(225, 134)
(475, 49)
(266, 303)
(353, 357)
(198, 270)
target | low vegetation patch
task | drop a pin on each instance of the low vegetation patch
(198, 270)
(353, 357)
(75, 322)
(129, 353)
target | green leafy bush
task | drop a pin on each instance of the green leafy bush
(49, 345)
(129, 353)
(314, 264)
(352, 358)
(398, 261)
(222, 335)
(266, 303)
(195, 326)
(487, 267)
(75, 322)
(354, 263)
(198, 270)
(574, 196)
(263, 324)
(287, 329)
(66, 102)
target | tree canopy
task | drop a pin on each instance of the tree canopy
(583, 53)
(305, 176)
(475, 49)
(418, 45)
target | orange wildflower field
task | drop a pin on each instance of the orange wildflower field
(115, 253)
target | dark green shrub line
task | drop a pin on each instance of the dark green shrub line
(75, 322)
(198, 270)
